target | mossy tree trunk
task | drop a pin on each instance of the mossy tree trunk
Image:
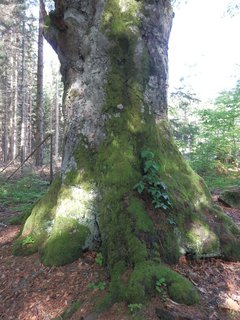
(114, 63)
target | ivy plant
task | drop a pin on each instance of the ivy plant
(152, 183)
(161, 288)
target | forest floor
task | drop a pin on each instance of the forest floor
(31, 291)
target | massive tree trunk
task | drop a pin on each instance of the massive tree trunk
(124, 187)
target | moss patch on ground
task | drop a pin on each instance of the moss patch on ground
(231, 196)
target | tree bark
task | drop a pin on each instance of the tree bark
(23, 143)
(114, 64)
(56, 141)
(39, 107)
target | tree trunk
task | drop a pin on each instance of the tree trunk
(5, 120)
(39, 107)
(23, 144)
(124, 187)
(56, 149)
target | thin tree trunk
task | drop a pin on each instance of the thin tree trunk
(39, 108)
(23, 144)
(11, 106)
(5, 122)
(57, 120)
(15, 113)
(29, 126)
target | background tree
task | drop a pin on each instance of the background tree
(123, 186)
(218, 141)
(39, 106)
(183, 108)
(23, 114)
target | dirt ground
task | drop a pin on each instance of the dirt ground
(31, 291)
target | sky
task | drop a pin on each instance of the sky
(204, 48)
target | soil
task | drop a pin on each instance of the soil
(31, 291)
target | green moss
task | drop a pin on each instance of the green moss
(65, 242)
(47, 22)
(229, 235)
(202, 240)
(39, 221)
(232, 196)
(141, 218)
(143, 281)
(119, 18)
(134, 234)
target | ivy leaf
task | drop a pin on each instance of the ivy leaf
(171, 221)
(146, 154)
(164, 207)
(165, 196)
(156, 167)
(140, 186)
(163, 186)
(147, 165)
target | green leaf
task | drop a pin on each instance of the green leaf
(146, 154)
(147, 165)
(171, 221)
(140, 186)
(165, 196)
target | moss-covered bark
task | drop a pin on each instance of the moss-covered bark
(96, 195)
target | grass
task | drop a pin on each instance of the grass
(216, 180)
(20, 195)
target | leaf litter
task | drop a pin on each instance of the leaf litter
(31, 291)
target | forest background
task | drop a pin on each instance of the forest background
(207, 132)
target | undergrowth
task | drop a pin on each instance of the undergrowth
(216, 180)
(20, 195)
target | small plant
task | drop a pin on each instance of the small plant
(152, 183)
(161, 288)
(171, 221)
(133, 307)
(28, 240)
(98, 285)
(99, 259)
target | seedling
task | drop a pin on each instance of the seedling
(100, 285)
(134, 307)
(161, 288)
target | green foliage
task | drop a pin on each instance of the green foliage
(134, 307)
(216, 180)
(182, 114)
(99, 259)
(152, 183)
(28, 240)
(161, 288)
(17, 220)
(209, 138)
(20, 195)
(97, 285)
